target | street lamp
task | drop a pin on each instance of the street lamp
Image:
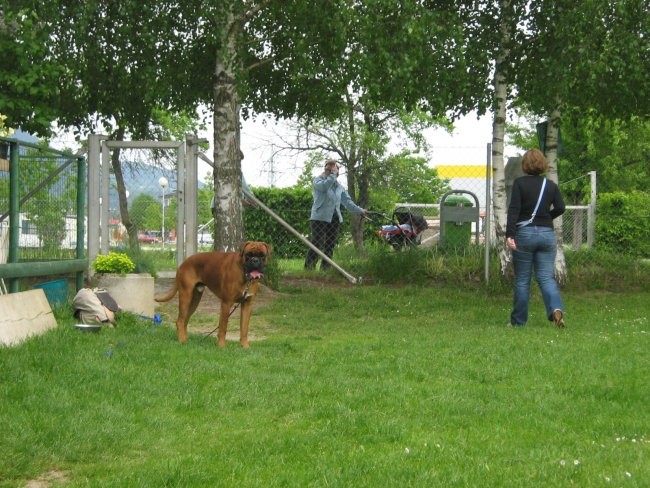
(163, 184)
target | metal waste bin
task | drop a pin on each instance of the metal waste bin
(456, 216)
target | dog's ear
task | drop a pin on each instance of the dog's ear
(269, 249)
(242, 248)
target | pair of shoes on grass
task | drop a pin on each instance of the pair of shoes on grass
(557, 317)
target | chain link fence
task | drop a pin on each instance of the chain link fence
(41, 214)
(49, 204)
(411, 224)
(150, 190)
(47, 198)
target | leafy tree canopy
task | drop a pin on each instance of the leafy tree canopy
(30, 81)
(618, 150)
(592, 55)
(146, 212)
(407, 179)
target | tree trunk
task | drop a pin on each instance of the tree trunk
(229, 223)
(356, 178)
(498, 129)
(131, 229)
(356, 221)
(551, 145)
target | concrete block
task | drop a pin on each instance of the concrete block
(132, 292)
(23, 315)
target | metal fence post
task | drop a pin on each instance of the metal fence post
(94, 218)
(14, 209)
(591, 215)
(488, 211)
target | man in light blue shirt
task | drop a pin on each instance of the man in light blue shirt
(326, 218)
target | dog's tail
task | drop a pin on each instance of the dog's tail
(170, 294)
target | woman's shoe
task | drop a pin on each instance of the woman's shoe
(558, 318)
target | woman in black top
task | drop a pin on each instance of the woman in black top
(534, 203)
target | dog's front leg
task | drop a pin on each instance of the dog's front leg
(223, 323)
(244, 320)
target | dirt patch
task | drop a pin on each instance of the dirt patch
(206, 318)
(47, 479)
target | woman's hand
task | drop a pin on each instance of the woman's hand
(510, 242)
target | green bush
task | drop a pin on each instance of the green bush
(294, 206)
(145, 262)
(623, 223)
(113, 262)
(594, 269)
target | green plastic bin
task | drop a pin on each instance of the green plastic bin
(56, 292)
(457, 234)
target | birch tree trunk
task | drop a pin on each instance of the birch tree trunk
(551, 146)
(229, 224)
(498, 131)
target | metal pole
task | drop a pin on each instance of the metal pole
(488, 211)
(14, 210)
(191, 197)
(252, 198)
(104, 198)
(163, 219)
(163, 184)
(286, 225)
(81, 207)
(591, 215)
(181, 216)
(94, 165)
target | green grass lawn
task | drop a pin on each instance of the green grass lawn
(356, 386)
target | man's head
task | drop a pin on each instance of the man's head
(331, 166)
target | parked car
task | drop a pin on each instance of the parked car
(149, 238)
(205, 238)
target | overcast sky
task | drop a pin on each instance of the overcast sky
(467, 145)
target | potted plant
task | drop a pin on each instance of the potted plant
(133, 292)
(113, 262)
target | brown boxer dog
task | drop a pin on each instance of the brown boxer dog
(232, 276)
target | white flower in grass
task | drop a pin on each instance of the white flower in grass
(562, 462)
(576, 462)
(407, 451)
(628, 474)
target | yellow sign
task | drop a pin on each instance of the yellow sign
(461, 171)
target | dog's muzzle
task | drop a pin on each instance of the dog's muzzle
(254, 266)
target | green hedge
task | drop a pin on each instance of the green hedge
(623, 223)
(294, 206)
